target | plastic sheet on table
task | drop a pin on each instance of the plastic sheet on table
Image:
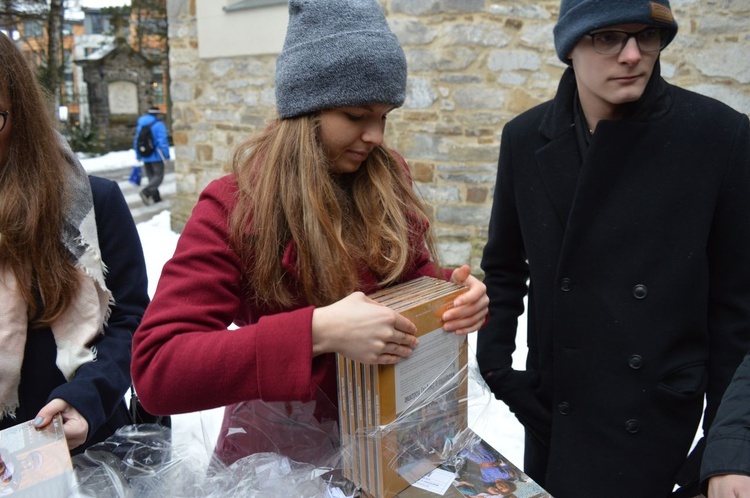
(289, 448)
(306, 432)
(139, 462)
(132, 462)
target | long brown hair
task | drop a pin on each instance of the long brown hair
(33, 197)
(339, 224)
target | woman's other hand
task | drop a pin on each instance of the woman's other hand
(469, 310)
(76, 427)
(363, 330)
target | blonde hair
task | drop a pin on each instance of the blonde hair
(33, 196)
(339, 224)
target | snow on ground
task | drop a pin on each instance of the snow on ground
(112, 160)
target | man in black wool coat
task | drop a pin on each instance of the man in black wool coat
(622, 208)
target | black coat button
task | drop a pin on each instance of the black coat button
(566, 284)
(635, 362)
(564, 408)
(640, 291)
(632, 426)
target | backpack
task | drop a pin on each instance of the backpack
(145, 141)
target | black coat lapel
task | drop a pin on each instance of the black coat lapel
(559, 164)
(559, 161)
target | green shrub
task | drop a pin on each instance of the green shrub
(82, 138)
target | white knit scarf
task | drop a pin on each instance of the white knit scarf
(85, 318)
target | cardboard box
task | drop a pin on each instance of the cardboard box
(394, 417)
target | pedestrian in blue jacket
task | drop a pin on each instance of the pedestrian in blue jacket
(153, 157)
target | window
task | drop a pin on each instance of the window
(157, 85)
(154, 55)
(96, 23)
(68, 93)
(67, 62)
(33, 29)
(153, 26)
(233, 5)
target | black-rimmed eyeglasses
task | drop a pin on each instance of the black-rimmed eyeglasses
(611, 42)
(4, 114)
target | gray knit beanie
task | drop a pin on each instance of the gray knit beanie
(579, 17)
(338, 53)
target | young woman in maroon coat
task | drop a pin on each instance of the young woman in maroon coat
(316, 214)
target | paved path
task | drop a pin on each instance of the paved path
(139, 210)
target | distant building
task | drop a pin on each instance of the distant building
(32, 40)
(88, 31)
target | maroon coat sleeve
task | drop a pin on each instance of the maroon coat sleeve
(184, 356)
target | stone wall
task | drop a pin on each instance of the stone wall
(473, 65)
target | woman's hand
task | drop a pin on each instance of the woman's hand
(729, 486)
(363, 330)
(76, 427)
(469, 310)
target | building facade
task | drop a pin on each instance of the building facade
(473, 66)
(88, 31)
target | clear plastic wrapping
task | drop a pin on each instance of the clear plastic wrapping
(303, 459)
(420, 429)
(138, 461)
